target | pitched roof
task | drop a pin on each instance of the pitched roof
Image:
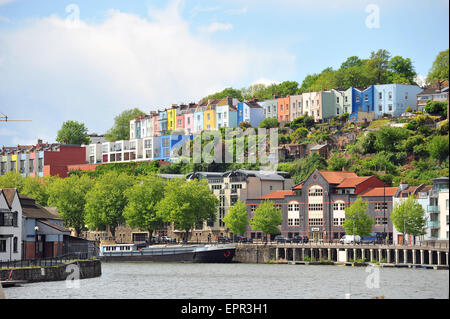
(31, 209)
(334, 177)
(9, 194)
(379, 191)
(298, 186)
(278, 194)
(353, 181)
(55, 226)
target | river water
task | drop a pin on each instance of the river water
(243, 281)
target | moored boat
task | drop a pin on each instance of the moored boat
(167, 253)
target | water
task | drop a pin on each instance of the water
(243, 281)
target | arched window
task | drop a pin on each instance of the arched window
(293, 213)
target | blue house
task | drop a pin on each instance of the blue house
(167, 144)
(362, 103)
(394, 99)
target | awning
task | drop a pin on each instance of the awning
(48, 228)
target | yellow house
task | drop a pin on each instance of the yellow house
(172, 118)
(209, 118)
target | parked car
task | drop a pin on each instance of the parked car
(222, 239)
(241, 239)
(370, 239)
(350, 239)
(166, 239)
(281, 239)
(297, 239)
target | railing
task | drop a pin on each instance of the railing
(433, 224)
(431, 208)
(43, 262)
(440, 245)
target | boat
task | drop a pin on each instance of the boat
(220, 253)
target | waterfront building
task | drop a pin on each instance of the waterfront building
(189, 119)
(316, 207)
(43, 230)
(10, 225)
(42, 159)
(163, 122)
(256, 112)
(422, 195)
(243, 112)
(270, 108)
(198, 119)
(394, 99)
(209, 115)
(443, 212)
(172, 117)
(438, 209)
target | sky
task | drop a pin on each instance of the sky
(88, 61)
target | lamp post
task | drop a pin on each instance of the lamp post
(36, 242)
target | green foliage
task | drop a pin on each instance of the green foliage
(408, 217)
(228, 92)
(237, 218)
(73, 132)
(38, 188)
(269, 122)
(106, 201)
(302, 168)
(12, 180)
(438, 147)
(142, 199)
(337, 162)
(357, 222)
(121, 129)
(436, 108)
(267, 218)
(298, 135)
(69, 196)
(187, 203)
(439, 70)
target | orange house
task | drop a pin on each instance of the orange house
(283, 109)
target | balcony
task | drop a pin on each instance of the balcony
(431, 208)
(433, 224)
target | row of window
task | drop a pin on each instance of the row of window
(3, 245)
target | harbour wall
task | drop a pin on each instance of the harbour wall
(76, 270)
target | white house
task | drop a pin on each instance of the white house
(10, 225)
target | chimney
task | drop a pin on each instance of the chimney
(403, 185)
(39, 141)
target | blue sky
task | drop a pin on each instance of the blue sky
(92, 62)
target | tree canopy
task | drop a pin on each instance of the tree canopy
(121, 129)
(408, 217)
(237, 218)
(267, 218)
(73, 132)
(439, 69)
(357, 222)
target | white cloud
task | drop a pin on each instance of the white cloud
(216, 26)
(54, 70)
(199, 9)
(237, 11)
(3, 2)
(264, 81)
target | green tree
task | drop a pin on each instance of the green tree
(38, 188)
(337, 162)
(121, 129)
(237, 218)
(436, 108)
(267, 218)
(299, 134)
(12, 180)
(401, 70)
(438, 147)
(357, 222)
(69, 196)
(106, 201)
(73, 132)
(352, 62)
(187, 203)
(409, 217)
(269, 122)
(439, 70)
(378, 65)
(143, 198)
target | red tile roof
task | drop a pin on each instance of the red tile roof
(297, 187)
(379, 191)
(353, 181)
(337, 177)
(278, 195)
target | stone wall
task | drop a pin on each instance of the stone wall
(87, 269)
(253, 254)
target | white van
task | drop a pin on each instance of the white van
(350, 239)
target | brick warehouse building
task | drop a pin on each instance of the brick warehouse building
(316, 207)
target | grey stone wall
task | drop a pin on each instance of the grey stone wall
(87, 269)
(253, 254)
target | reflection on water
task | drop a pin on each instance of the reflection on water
(244, 281)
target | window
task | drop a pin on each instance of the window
(380, 107)
(225, 115)
(339, 206)
(312, 103)
(219, 115)
(380, 95)
(307, 103)
(337, 99)
(381, 221)
(287, 118)
(2, 246)
(281, 107)
(446, 204)
(346, 99)
(188, 120)
(337, 111)
(406, 95)
(381, 206)
(198, 117)
(315, 221)
(357, 98)
(315, 207)
(390, 107)
(366, 97)
(316, 191)
(287, 107)
(390, 95)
